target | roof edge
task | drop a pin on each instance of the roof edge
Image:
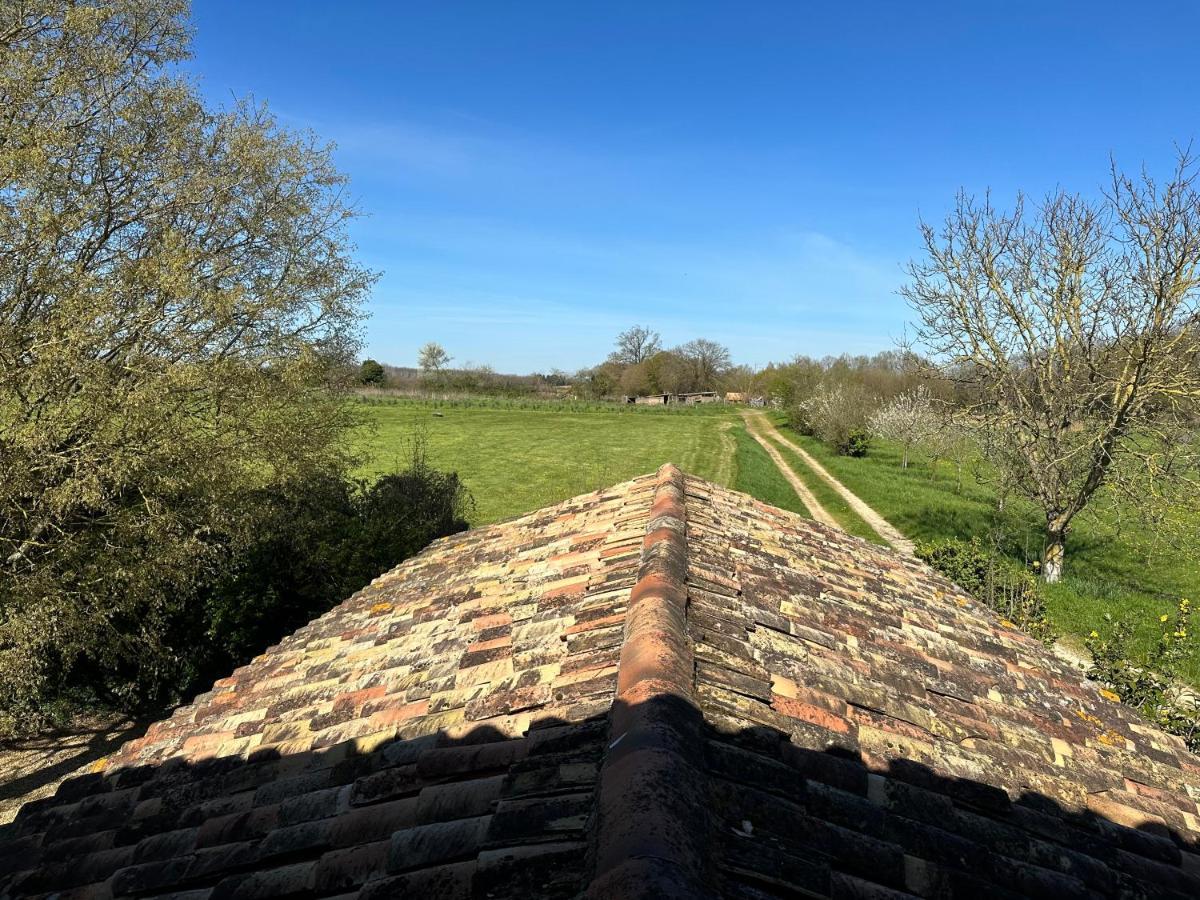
(649, 836)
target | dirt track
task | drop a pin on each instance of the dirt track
(881, 525)
(815, 509)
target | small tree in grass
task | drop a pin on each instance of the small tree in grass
(909, 419)
(432, 358)
(952, 439)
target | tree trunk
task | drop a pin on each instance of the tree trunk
(1056, 548)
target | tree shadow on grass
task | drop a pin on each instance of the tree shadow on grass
(483, 813)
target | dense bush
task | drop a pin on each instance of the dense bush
(179, 306)
(1149, 680)
(372, 373)
(311, 542)
(838, 414)
(857, 443)
(1013, 593)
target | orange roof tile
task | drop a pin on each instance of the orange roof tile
(660, 689)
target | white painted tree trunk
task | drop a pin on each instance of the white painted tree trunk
(1052, 558)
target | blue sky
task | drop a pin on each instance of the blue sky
(538, 176)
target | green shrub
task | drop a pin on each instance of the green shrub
(371, 372)
(309, 542)
(857, 443)
(1012, 592)
(1148, 680)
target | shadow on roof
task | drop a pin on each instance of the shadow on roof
(487, 814)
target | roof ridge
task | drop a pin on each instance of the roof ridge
(649, 836)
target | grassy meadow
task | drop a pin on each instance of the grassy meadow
(515, 458)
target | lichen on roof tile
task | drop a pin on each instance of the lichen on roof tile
(664, 688)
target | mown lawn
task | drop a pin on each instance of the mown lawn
(1113, 564)
(516, 460)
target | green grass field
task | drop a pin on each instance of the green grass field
(515, 459)
(1112, 564)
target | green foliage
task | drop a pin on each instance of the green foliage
(310, 542)
(857, 443)
(1148, 680)
(1013, 593)
(178, 309)
(316, 542)
(371, 373)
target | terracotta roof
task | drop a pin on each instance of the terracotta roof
(660, 689)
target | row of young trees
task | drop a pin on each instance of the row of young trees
(639, 366)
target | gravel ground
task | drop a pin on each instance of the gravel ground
(34, 767)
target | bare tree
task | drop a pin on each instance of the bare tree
(635, 345)
(741, 380)
(707, 361)
(1076, 323)
(432, 358)
(953, 439)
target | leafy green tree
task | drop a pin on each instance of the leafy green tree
(371, 372)
(177, 302)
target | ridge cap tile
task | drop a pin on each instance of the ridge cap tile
(663, 688)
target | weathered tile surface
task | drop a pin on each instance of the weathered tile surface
(443, 728)
(874, 732)
(661, 689)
